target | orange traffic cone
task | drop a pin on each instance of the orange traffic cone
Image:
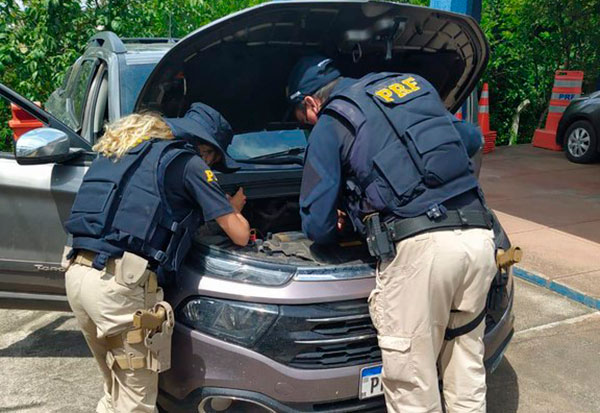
(567, 86)
(483, 118)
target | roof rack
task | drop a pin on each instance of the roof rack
(149, 40)
(108, 40)
(114, 43)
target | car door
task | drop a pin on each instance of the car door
(35, 200)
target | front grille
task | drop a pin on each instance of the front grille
(331, 335)
(344, 341)
(322, 336)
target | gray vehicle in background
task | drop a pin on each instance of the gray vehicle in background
(281, 325)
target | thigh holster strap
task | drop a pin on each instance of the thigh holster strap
(125, 361)
(131, 363)
(113, 342)
(152, 283)
(452, 333)
(131, 337)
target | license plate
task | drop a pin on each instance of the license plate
(371, 384)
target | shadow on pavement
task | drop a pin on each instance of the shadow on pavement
(49, 342)
(503, 389)
(19, 407)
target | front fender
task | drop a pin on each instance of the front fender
(588, 110)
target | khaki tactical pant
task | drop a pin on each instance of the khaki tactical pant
(436, 280)
(104, 303)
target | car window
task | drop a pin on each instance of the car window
(57, 103)
(78, 95)
(66, 77)
(133, 78)
(253, 144)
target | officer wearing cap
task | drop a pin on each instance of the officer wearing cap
(131, 226)
(386, 151)
(212, 146)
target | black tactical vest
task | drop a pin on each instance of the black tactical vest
(121, 206)
(407, 157)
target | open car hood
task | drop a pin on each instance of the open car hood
(240, 64)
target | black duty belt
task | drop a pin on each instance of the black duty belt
(381, 238)
(405, 228)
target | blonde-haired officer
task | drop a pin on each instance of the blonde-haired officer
(131, 224)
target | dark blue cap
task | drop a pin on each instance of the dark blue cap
(201, 123)
(310, 74)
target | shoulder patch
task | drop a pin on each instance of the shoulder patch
(398, 89)
(348, 111)
(140, 146)
(210, 176)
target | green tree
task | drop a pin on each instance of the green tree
(40, 39)
(529, 41)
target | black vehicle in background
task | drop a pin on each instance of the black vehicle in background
(579, 129)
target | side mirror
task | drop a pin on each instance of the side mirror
(44, 145)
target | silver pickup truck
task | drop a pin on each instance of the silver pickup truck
(281, 325)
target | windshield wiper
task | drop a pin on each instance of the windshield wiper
(296, 150)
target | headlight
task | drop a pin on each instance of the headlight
(233, 321)
(244, 271)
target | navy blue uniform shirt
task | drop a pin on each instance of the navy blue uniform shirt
(325, 161)
(191, 184)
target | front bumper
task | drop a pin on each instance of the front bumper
(201, 361)
(259, 403)
(205, 368)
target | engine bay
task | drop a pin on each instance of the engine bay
(277, 236)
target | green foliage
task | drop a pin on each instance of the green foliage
(529, 41)
(40, 39)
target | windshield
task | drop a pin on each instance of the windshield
(253, 144)
(133, 78)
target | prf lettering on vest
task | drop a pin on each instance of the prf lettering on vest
(210, 175)
(402, 89)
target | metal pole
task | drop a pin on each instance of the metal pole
(470, 7)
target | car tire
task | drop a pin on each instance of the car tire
(581, 142)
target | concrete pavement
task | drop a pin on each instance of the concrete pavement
(552, 363)
(551, 366)
(551, 208)
(45, 365)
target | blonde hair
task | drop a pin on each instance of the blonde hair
(129, 131)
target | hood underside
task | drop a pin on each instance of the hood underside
(240, 64)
